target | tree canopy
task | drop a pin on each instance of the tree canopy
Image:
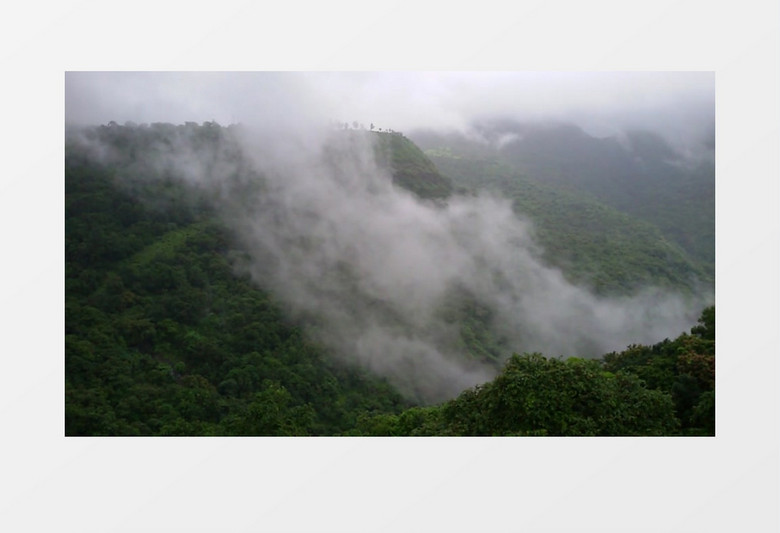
(164, 337)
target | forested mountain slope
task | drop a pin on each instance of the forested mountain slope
(592, 243)
(636, 173)
(171, 328)
(162, 337)
(411, 168)
(664, 389)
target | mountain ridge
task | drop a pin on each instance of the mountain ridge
(637, 173)
(166, 333)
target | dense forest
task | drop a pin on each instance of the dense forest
(167, 332)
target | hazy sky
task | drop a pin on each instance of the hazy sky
(677, 104)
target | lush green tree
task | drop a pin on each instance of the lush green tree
(706, 327)
(271, 412)
(535, 395)
(684, 368)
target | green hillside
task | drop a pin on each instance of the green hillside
(165, 336)
(638, 174)
(664, 389)
(411, 169)
(592, 243)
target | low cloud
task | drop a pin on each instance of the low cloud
(377, 273)
(678, 105)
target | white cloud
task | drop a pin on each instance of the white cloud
(677, 104)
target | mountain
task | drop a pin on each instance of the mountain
(637, 173)
(410, 167)
(162, 335)
(592, 240)
(214, 287)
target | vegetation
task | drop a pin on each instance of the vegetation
(666, 389)
(163, 337)
(595, 201)
(537, 396)
(592, 243)
(683, 368)
(411, 169)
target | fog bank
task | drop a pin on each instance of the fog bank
(378, 275)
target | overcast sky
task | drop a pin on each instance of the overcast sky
(673, 103)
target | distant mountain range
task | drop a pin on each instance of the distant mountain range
(637, 174)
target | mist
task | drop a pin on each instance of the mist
(679, 106)
(374, 272)
(375, 265)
